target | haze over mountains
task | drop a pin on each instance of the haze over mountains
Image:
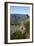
(18, 17)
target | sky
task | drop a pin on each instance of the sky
(19, 10)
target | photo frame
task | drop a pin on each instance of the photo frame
(18, 22)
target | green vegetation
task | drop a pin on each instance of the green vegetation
(17, 35)
(27, 25)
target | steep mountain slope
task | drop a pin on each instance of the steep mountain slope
(17, 18)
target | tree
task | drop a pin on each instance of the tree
(27, 25)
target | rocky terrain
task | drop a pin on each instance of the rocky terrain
(19, 22)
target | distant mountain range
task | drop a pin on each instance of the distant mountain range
(14, 18)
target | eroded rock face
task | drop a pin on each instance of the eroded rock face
(22, 28)
(18, 28)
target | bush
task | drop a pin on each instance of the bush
(17, 35)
